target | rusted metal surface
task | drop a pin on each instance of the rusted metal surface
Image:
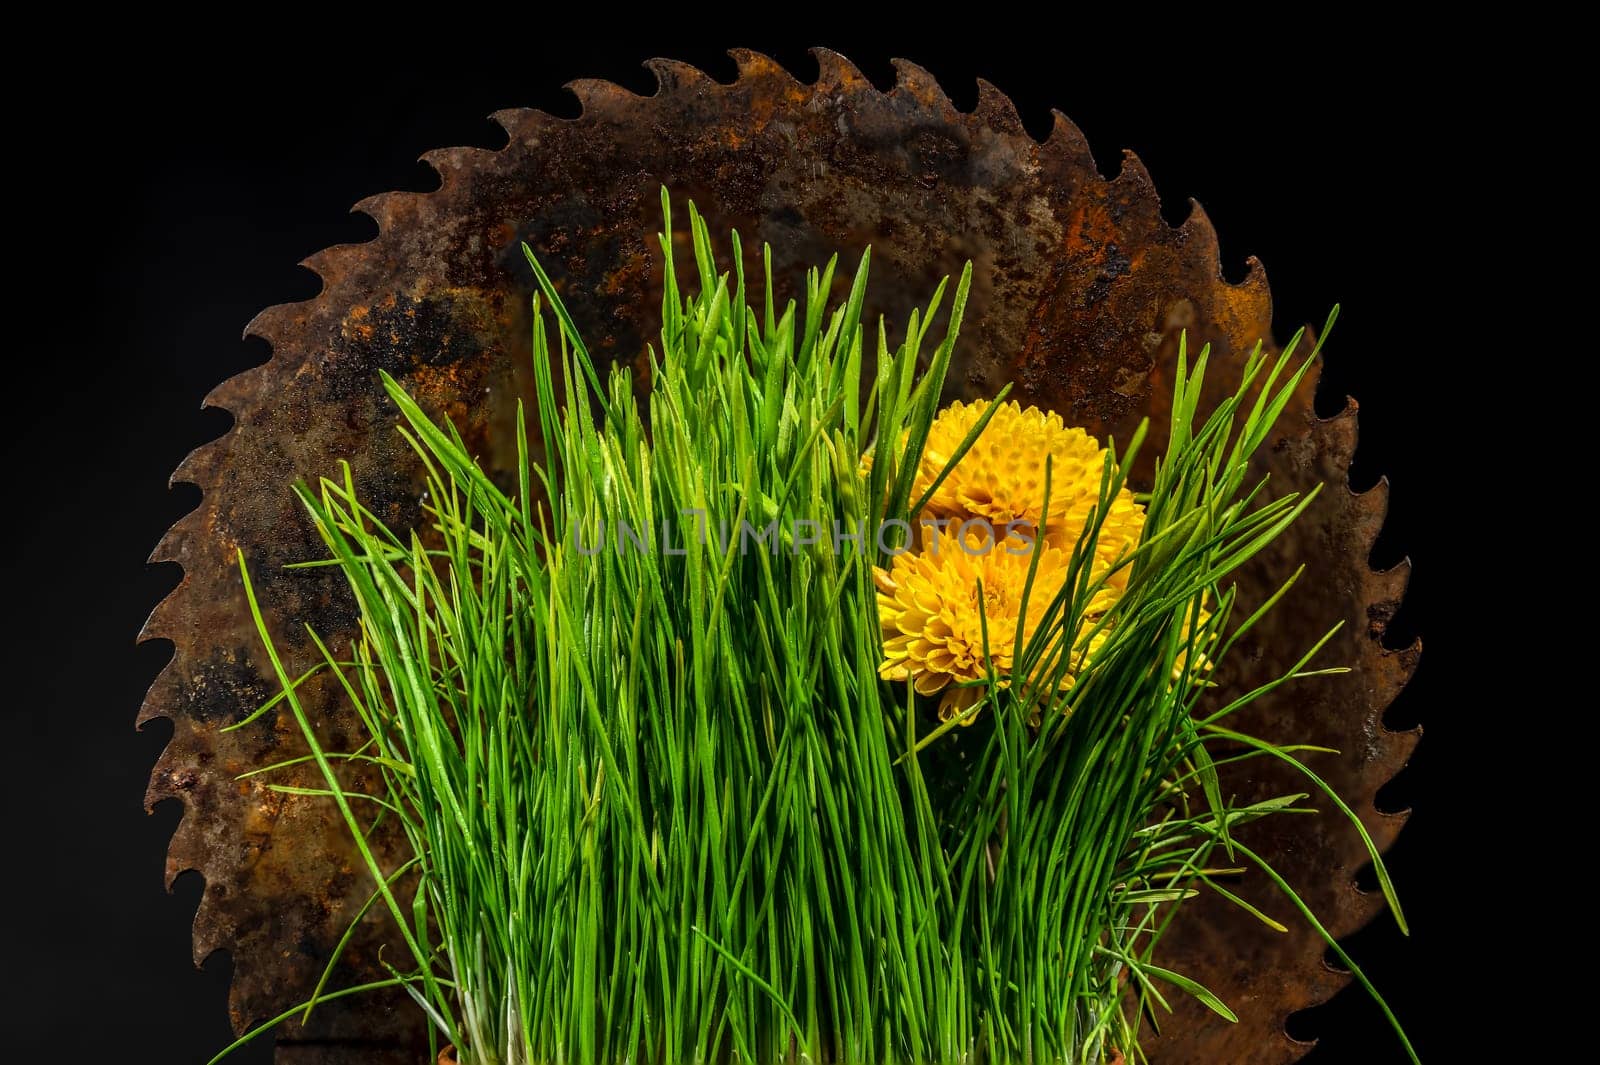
(1080, 291)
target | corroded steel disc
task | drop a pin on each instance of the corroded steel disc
(1080, 292)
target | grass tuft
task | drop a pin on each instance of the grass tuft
(660, 806)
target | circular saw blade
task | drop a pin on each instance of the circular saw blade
(1080, 292)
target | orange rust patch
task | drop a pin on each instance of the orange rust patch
(1089, 229)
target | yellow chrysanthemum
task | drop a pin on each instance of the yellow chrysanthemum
(928, 599)
(933, 633)
(1001, 478)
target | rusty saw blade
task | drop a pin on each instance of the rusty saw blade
(1080, 292)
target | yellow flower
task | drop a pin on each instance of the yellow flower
(928, 599)
(1001, 479)
(933, 633)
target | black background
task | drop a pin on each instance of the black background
(178, 205)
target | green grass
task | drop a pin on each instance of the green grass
(659, 806)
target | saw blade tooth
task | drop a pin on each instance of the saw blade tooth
(463, 159)
(836, 73)
(674, 76)
(515, 121)
(1388, 586)
(1255, 283)
(207, 939)
(198, 466)
(911, 79)
(1133, 179)
(273, 322)
(157, 791)
(451, 164)
(1067, 140)
(1200, 237)
(755, 66)
(599, 95)
(997, 109)
(238, 392)
(383, 207)
(161, 623)
(330, 261)
(168, 549)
